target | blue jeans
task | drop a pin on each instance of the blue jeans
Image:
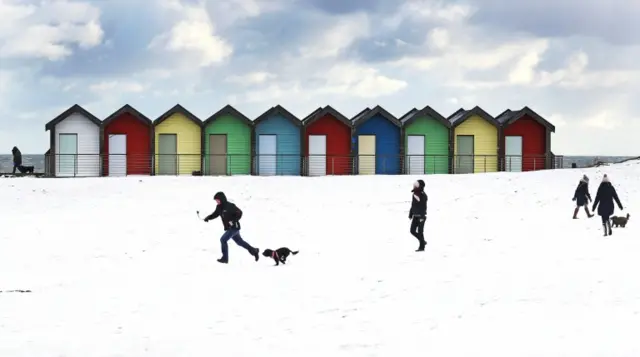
(233, 233)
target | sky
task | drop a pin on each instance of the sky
(574, 62)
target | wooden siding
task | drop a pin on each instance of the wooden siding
(88, 159)
(189, 137)
(436, 143)
(485, 143)
(238, 144)
(288, 143)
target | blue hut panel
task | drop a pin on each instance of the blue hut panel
(377, 142)
(277, 143)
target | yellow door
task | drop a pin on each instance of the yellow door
(367, 154)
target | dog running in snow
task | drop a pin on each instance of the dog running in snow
(280, 255)
(619, 221)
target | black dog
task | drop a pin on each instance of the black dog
(280, 255)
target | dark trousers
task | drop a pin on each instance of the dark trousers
(233, 233)
(417, 227)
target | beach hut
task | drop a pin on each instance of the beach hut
(178, 142)
(74, 140)
(526, 140)
(327, 142)
(277, 143)
(127, 143)
(474, 134)
(427, 145)
(377, 142)
(227, 143)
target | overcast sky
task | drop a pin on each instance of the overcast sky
(575, 62)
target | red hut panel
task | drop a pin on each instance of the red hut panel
(127, 148)
(336, 129)
(534, 134)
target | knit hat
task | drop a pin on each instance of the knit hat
(605, 178)
(584, 178)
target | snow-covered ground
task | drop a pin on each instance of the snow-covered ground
(123, 267)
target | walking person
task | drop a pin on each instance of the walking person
(604, 202)
(17, 162)
(418, 213)
(230, 215)
(582, 197)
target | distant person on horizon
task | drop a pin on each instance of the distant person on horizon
(230, 215)
(582, 197)
(605, 197)
(17, 162)
(418, 213)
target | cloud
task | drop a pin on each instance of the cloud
(48, 31)
(580, 72)
(194, 35)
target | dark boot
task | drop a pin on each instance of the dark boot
(256, 253)
(609, 226)
(604, 225)
(423, 243)
(586, 209)
(575, 213)
(223, 260)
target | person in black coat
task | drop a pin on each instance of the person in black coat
(418, 213)
(582, 197)
(230, 215)
(17, 162)
(604, 202)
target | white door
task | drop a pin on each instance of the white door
(415, 154)
(67, 156)
(267, 151)
(317, 155)
(118, 155)
(513, 153)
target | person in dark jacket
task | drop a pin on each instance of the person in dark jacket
(604, 202)
(418, 213)
(582, 197)
(230, 215)
(17, 162)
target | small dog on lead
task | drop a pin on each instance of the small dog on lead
(619, 221)
(280, 255)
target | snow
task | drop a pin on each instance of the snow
(123, 267)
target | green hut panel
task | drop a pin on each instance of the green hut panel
(227, 141)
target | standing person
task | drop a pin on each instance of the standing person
(582, 197)
(418, 213)
(605, 197)
(230, 215)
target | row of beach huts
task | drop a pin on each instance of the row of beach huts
(278, 143)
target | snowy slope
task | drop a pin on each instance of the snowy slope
(123, 267)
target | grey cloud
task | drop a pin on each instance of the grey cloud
(614, 21)
(351, 6)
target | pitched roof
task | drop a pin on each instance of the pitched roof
(127, 109)
(74, 109)
(327, 110)
(362, 112)
(408, 115)
(367, 114)
(461, 115)
(178, 109)
(426, 111)
(511, 117)
(228, 110)
(278, 109)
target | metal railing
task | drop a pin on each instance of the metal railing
(92, 165)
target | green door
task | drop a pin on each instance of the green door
(464, 159)
(167, 154)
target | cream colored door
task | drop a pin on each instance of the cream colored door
(366, 154)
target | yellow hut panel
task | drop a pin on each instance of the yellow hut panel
(178, 145)
(483, 137)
